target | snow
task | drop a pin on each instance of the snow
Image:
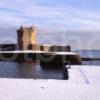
(83, 84)
(65, 53)
(30, 51)
(26, 51)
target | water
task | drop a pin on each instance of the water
(90, 54)
(34, 71)
(27, 70)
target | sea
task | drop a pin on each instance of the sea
(89, 54)
(34, 71)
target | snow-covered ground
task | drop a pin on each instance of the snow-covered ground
(83, 84)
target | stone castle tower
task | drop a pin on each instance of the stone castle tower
(26, 37)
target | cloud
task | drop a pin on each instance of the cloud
(37, 12)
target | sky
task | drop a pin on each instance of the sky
(56, 17)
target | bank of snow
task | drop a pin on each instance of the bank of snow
(83, 84)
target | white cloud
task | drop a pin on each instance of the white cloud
(35, 11)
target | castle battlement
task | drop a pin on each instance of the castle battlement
(25, 29)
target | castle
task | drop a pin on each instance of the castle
(26, 40)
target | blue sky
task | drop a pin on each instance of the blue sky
(52, 15)
(66, 14)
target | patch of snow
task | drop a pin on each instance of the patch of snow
(83, 84)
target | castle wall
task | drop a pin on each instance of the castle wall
(50, 48)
